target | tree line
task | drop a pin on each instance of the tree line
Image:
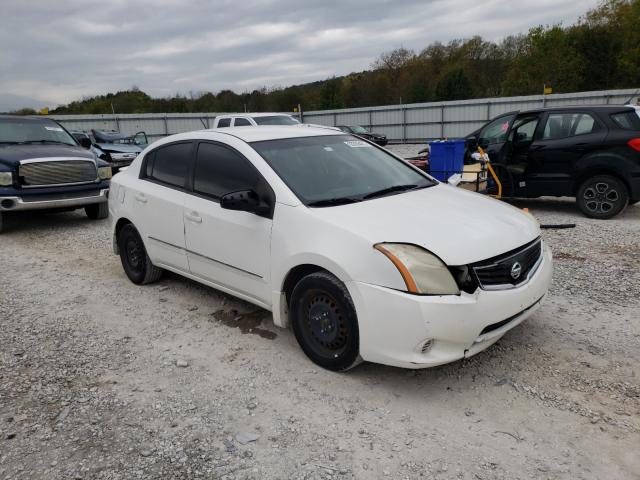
(600, 51)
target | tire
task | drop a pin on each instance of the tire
(135, 261)
(324, 322)
(602, 197)
(97, 211)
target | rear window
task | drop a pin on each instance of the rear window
(224, 122)
(629, 120)
(276, 120)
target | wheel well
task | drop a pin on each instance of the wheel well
(121, 223)
(296, 274)
(592, 172)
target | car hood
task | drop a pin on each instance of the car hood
(458, 226)
(118, 148)
(13, 154)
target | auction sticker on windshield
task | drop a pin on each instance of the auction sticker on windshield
(357, 143)
(54, 129)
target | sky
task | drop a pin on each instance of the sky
(56, 52)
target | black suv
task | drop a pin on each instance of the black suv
(42, 167)
(591, 153)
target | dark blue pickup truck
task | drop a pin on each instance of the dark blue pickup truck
(43, 167)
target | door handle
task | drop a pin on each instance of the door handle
(141, 198)
(193, 217)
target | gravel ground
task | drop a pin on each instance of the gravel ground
(103, 379)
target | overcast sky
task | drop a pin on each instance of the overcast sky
(58, 51)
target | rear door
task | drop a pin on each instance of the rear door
(565, 137)
(228, 248)
(159, 200)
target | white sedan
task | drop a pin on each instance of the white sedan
(364, 256)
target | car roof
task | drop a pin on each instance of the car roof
(28, 118)
(273, 132)
(253, 115)
(599, 108)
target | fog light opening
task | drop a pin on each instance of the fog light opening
(8, 204)
(426, 346)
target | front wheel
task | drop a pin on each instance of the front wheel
(135, 261)
(324, 321)
(97, 211)
(602, 197)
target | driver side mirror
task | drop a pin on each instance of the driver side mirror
(245, 201)
(85, 142)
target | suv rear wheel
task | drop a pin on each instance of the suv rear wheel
(602, 196)
(324, 321)
(135, 261)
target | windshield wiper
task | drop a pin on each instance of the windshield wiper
(393, 189)
(329, 202)
(26, 142)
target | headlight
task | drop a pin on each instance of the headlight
(6, 179)
(104, 173)
(422, 272)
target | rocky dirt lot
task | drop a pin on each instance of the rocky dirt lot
(103, 379)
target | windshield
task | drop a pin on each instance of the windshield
(359, 129)
(27, 130)
(335, 169)
(276, 120)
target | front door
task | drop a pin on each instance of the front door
(565, 138)
(227, 248)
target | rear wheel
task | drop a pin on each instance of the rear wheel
(135, 261)
(324, 321)
(602, 196)
(97, 211)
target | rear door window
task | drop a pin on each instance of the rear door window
(224, 122)
(565, 125)
(170, 164)
(220, 170)
(241, 122)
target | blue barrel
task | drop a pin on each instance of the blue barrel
(446, 158)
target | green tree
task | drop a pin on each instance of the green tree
(454, 85)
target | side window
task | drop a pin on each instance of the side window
(564, 125)
(224, 122)
(241, 122)
(524, 129)
(220, 170)
(628, 120)
(170, 164)
(496, 131)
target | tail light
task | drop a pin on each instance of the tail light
(635, 144)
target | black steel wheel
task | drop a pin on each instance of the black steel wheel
(602, 196)
(324, 321)
(134, 258)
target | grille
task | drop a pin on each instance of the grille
(502, 272)
(57, 172)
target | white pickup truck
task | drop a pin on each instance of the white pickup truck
(253, 120)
